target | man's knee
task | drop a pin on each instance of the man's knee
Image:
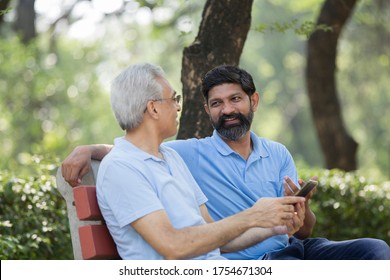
(375, 249)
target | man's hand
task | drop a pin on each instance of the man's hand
(290, 188)
(303, 222)
(271, 212)
(295, 224)
(76, 165)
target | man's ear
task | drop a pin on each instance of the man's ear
(206, 108)
(151, 109)
(255, 101)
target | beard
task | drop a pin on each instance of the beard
(233, 132)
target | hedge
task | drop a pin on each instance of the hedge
(348, 206)
(33, 218)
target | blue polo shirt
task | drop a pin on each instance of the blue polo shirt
(233, 184)
(132, 183)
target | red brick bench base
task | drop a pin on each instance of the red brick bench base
(95, 239)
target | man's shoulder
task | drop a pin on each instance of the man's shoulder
(185, 144)
(170, 151)
(266, 141)
(271, 146)
(118, 159)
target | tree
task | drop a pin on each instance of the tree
(25, 21)
(223, 31)
(220, 40)
(338, 147)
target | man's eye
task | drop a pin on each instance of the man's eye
(215, 104)
(236, 99)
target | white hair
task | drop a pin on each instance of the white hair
(131, 90)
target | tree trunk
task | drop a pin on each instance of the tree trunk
(220, 40)
(338, 147)
(25, 20)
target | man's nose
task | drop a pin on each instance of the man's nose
(227, 109)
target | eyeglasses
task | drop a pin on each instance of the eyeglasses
(176, 98)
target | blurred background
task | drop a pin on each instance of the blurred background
(54, 89)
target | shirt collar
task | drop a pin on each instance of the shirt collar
(129, 147)
(258, 147)
(220, 145)
(224, 149)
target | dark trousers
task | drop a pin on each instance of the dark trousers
(324, 249)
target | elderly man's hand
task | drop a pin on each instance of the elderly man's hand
(76, 165)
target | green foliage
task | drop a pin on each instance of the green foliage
(277, 62)
(54, 96)
(348, 205)
(50, 101)
(363, 80)
(33, 218)
(3, 12)
(306, 28)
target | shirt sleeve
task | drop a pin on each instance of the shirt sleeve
(186, 149)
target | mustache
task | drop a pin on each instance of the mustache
(223, 118)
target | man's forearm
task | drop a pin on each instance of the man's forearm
(99, 151)
(193, 241)
(251, 237)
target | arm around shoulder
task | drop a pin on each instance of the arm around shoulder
(78, 162)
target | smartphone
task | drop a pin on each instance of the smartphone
(309, 185)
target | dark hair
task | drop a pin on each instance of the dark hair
(227, 74)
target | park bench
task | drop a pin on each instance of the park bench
(90, 236)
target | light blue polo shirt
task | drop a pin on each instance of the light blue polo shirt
(132, 183)
(233, 184)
